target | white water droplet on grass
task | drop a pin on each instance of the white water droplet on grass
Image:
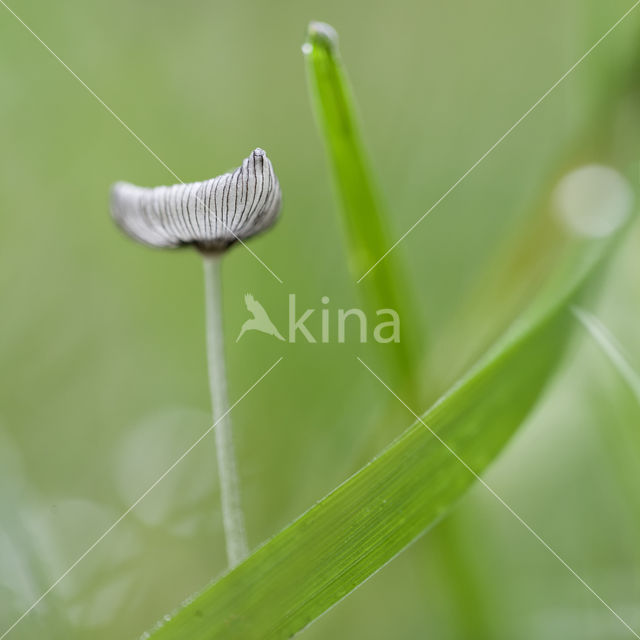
(593, 200)
(307, 48)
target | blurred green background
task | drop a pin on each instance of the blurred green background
(102, 355)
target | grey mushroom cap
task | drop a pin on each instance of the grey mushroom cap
(210, 215)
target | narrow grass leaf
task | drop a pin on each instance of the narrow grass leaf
(366, 220)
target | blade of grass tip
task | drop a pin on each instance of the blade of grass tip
(365, 219)
(364, 523)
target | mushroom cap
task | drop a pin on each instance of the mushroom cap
(209, 215)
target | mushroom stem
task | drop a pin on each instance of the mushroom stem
(232, 516)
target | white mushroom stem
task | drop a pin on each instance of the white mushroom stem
(232, 516)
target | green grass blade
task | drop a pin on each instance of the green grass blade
(364, 215)
(340, 542)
